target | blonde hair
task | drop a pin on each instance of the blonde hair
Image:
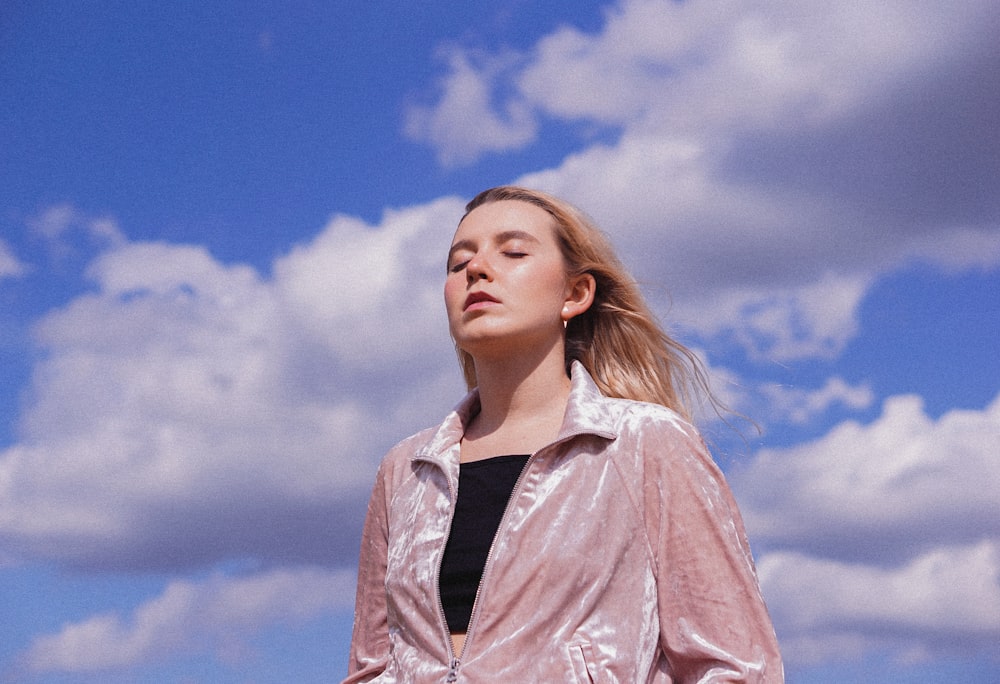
(618, 340)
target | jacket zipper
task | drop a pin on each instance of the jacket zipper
(489, 556)
(455, 661)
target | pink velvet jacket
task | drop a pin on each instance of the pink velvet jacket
(621, 558)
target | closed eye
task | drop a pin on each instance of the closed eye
(455, 268)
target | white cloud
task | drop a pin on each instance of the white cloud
(881, 536)
(10, 265)
(465, 123)
(812, 320)
(763, 405)
(947, 588)
(799, 405)
(965, 248)
(58, 223)
(189, 411)
(373, 292)
(220, 615)
(762, 172)
(734, 260)
(820, 604)
(882, 490)
(697, 66)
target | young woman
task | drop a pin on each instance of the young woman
(565, 522)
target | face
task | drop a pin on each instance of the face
(507, 285)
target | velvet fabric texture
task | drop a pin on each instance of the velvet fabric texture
(621, 558)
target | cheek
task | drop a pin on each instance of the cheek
(454, 291)
(552, 281)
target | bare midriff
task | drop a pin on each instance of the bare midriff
(457, 642)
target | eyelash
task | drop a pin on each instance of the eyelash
(510, 254)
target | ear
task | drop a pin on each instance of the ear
(580, 293)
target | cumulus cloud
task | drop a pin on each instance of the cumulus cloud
(189, 411)
(812, 320)
(699, 67)
(766, 163)
(726, 66)
(773, 272)
(879, 492)
(770, 160)
(381, 284)
(946, 600)
(219, 616)
(882, 535)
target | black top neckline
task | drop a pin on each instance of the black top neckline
(503, 458)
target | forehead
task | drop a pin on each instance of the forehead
(506, 216)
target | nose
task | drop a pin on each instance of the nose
(478, 268)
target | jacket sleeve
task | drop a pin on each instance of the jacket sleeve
(369, 652)
(714, 626)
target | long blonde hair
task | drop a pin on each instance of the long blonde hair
(618, 340)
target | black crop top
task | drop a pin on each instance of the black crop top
(484, 488)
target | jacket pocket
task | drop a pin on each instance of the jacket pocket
(581, 655)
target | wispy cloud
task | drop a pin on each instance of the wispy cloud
(800, 405)
(10, 265)
(61, 224)
(467, 121)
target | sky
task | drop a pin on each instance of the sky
(223, 232)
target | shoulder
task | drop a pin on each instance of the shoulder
(641, 419)
(656, 441)
(412, 444)
(400, 455)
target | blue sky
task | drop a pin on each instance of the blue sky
(222, 239)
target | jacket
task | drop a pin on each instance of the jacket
(621, 557)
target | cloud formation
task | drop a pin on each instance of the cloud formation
(798, 405)
(760, 166)
(764, 167)
(465, 122)
(219, 615)
(944, 602)
(881, 535)
(189, 411)
(881, 491)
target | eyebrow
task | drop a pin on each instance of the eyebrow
(499, 238)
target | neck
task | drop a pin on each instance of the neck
(525, 393)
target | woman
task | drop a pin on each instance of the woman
(565, 523)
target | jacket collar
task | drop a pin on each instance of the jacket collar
(587, 412)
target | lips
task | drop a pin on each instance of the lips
(478, 298)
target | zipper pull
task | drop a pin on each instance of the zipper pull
(453, 671)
